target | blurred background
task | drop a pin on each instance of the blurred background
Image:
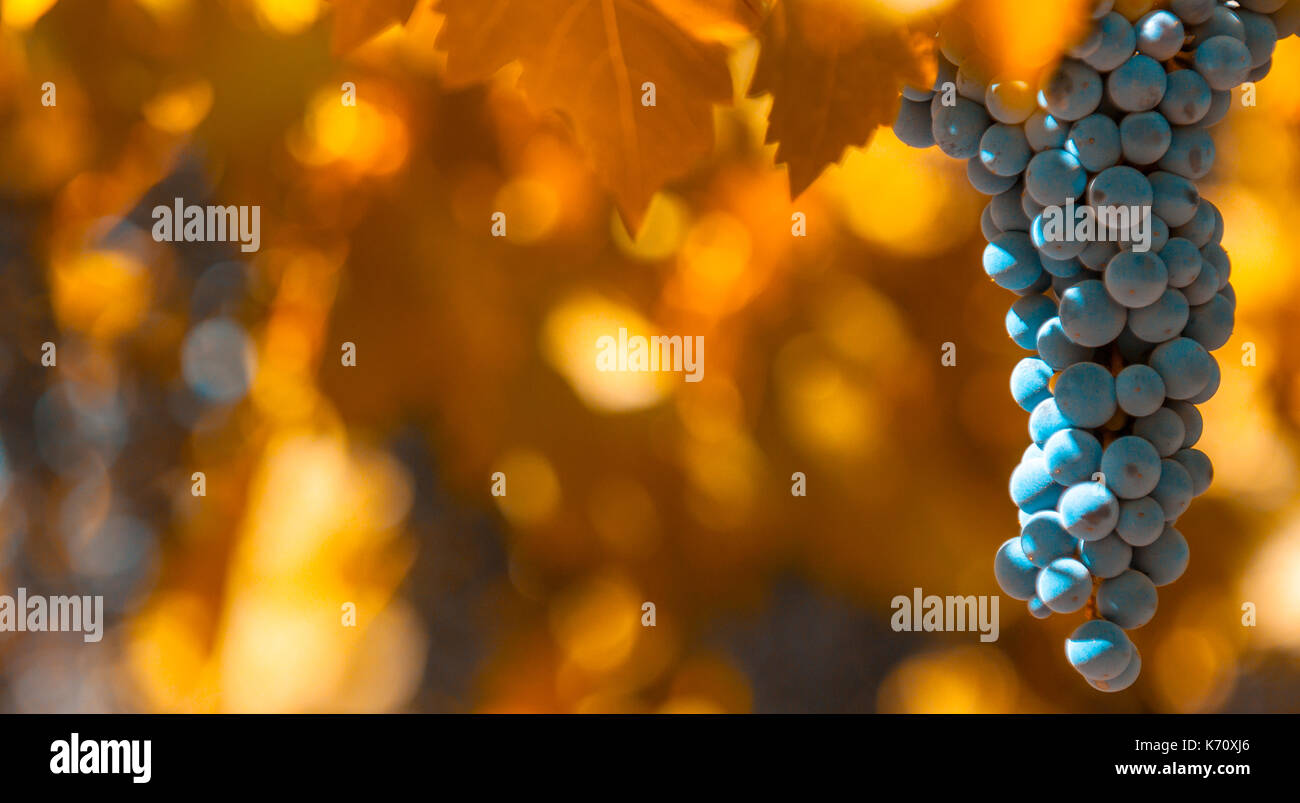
(328, 484)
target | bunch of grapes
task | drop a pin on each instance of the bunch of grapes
(1123, 319)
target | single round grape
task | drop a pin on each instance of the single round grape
(1211, 387)
(1037, 609)
(1064, 585)
(1057, 349)
(1108, 557)
(1174, 490)
(1173, 197)
(1160, 35)
(1161, 321)
(1182, 260)
(1159, 233)
(1118, 41)
(1055, 239)
(1261, 36)
(1131, 467)
(1060, 285)
(1060, 268)
(1004, 151)
(1042, 285)
(1199, 468)
(1193, 12)
(1223, 61)
(917, 95)
(1007, 214)
(1164, 560)
(1097, 255)
(1120, 186)
(1262, 6)
(1026, 316)
(957, 129)
(1010, 102)
(1187, 97)
(1053, 177)
(1043, 539)
(1213, 253)
(985, 182)
(1190, 154)
(1072, 91)
(1144, 137)
(1090, 316)
(1137, 85)
(1124, 679)
(972, 83)
(1204, 286)
(1220, 103)
(1200, 229)
(1029, 206)
(1182, 363)
(1216, 228)
(1045, 421)
(1140, 521)
(1095, 142)
(1089, 511)
(1101, 8)
(1136, 280)
(1222, 22)
(1072, 456)
(1016, 576)
(1163, 428)
(988, 228)
(1128, 600)
(1139, 390)
(1085, 395)
(1192, 421)
(1032, 488)
(1029, 383)
(1259, 73)
(1044, 132)
(1088, 45)
(1012, 261)
(1230, 295)
(1032, 452)
(1210, 324)
(1098, 649)
(913, 125)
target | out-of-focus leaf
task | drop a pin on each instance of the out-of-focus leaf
(834, 69)
(1014, 38)
(355, 21)
(590, 61)
(716, 19)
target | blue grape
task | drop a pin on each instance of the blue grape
(1029, 206)
(1190, 154)
(1004, 151)
(1222, 22)
(1088, 45)
(1062, 244)
(1230, 295)
(1007, 214)
(1120, 186)
(1032, 452)
(1085, 395)
(1192, 422)
(1198, 467)
(1072, 456)
(1220, 103)
(1261, 37)
(971, 83)
(957, 129)
(1106, 558)
(1029, 383)
(1144, 137)
(1098, 649)
(1101, 8)
(1223, 61)
(1262, 6)
(1032, 488)
(1211, 387)
(1124, 679)
(1138, 84)
(1163, 428)
(1010, 102)
(1043, 539)
(1131, 467)
(1193, 12)
(985, 182)
(914, 125)
(1016, 576)
(1045, 421)
(1044, 132)
(1098, 254)
(1139, 390)
(1089, 511)
(1182, 363)
(1073, 91)
(1260, 72)
(1057, 349)
(1210, 324)
(1037, 609)
(1187, 98)
(1204, 286)
(1213, 253)
(1128, 600)
(1216, 229)
(1173, 197)
(1132, 348)
(1164, 560)
(1026, 316)
(1095, 142)
(1061, 268)
(1136, 280)
(1160, 35)
(1141, 521)
(1012, 261)
(1200, 229)
(1173, 491)
(1041, 285)
(1089, 315)
(1162, 320)
(1182, 260)
(1118, 41)
(1053, 177)
(988, 228)
(1064, 585)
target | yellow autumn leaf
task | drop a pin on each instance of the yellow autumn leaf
(355, 21)
(1014, 38)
